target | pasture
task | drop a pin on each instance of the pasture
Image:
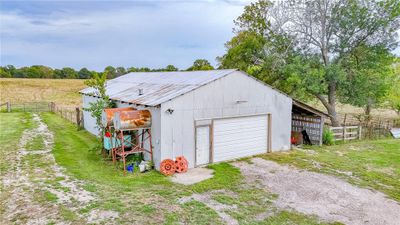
(21, 90)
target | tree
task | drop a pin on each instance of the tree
(394, 94)
(318, 35)
(119, 71)
(370, 76)
(111, 72)
(200, 64)
(68, 73)
(170, 68)
(84, 73)
(98, 85)
(4, 73)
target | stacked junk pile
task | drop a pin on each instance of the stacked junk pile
(128, 132)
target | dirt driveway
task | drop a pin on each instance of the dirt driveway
(327, 197)
(37, 190)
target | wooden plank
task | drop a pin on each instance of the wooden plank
(350, 138)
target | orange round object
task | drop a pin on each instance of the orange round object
(181, 164)
(167, 167)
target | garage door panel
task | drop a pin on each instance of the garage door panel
(239, 137)
(238, 141)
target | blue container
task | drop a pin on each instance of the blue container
(130, 168)
(111, 142)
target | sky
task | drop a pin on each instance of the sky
(98, 33)
(95, 34)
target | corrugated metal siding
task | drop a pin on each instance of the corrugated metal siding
(158, 87)
(219, 100)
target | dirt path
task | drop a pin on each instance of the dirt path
(39, 191)
(329, 198)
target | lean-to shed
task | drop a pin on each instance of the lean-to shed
(206, 116)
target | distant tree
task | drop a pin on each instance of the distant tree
(111, 72)
(170, 68)
(119, 71)
(68, 73)
(200, 64)
(11, 70)
(84, 73)
(4, 73)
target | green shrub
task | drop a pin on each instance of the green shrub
(328, 137)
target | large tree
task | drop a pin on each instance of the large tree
(307, 42)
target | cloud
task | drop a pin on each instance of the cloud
(133, 34)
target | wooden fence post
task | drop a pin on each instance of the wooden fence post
(8, 106)
(78, 117)
(344, 133)
(359, 132)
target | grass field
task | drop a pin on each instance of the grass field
(148, 198)
(61, 91)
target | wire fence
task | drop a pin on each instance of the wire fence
(70, 113)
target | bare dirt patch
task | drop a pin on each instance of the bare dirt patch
(330, 198)
(39, 191)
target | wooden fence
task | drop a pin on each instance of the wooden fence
(347, 133)
(70, 113)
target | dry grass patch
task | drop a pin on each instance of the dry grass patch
(61, 91)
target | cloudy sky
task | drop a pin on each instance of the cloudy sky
(97, 33)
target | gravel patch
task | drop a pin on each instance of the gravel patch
(330, 198)
(23, 184)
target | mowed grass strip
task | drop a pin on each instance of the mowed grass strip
(370, 163)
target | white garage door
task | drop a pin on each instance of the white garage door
(239, 137)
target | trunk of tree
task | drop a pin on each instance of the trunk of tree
(367, 110)
(330, 104)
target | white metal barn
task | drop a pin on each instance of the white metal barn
(206, 116)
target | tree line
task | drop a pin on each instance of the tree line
(329, 50)
(40, 71)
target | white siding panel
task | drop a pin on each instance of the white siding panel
(239, 137)
(89, 122)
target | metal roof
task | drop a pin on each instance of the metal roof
(311, 109)
(157, 87)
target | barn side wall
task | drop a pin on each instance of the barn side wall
(218, 99)
(89, 123)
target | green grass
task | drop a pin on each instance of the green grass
(151, 197)
(373, 163)
(37, 143)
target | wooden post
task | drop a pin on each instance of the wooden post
(78, 117)
(344, 133)
(8, 106)
(321, 129)
(359, 132)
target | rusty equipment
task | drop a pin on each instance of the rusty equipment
(167, 167)
(108, 114)
(126, 120)
(127, 123)
(181, 164)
